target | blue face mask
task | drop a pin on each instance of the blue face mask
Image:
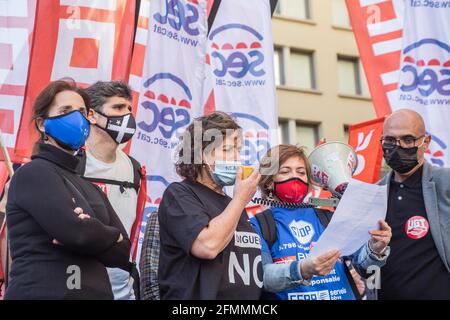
(224, 173)
(69, 130)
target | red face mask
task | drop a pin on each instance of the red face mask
(291, 190)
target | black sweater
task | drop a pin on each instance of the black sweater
(40, 208)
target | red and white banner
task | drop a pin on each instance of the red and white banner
(365, 140)
(84, 40)
(408, 66)
(167, 76)
(16, 38)
(378, 28)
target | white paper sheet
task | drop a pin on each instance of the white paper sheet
(359, 211)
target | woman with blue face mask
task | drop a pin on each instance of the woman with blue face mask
(209, 250)
(63, 231)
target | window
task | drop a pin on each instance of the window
(299, 9)
(293, 132)
(307, 135)
(364, 85)
(278, 66)
(278, 8)
(346, 133)
(301, 70)
(283, 131)
(294, 68)
(352, 79)
(349, 76)
(340, 13)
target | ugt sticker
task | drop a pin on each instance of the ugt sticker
(417, 227)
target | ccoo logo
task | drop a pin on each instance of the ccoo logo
(239, 59)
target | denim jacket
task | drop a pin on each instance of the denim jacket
(279, 277)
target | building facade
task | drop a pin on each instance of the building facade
(321, 87)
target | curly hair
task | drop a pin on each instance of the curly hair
(196, 139)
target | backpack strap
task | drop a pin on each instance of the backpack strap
(139, 184)
(268, 227)
(122, 184)
(81, 169)
(137, 173)
(324, 216)
(140, 174)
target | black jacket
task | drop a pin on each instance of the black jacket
(41, 202)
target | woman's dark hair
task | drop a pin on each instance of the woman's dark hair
(190, 164)
(47, 96)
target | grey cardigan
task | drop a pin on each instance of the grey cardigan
(436, 194)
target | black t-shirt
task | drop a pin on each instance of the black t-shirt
(236, 273)
(414, 269)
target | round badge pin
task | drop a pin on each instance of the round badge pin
(417, 227)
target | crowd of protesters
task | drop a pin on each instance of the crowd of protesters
(72, 210)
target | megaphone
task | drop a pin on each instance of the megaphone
(332, 166)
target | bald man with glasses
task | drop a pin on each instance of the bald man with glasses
(418, 213)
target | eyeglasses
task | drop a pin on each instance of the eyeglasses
(407, 141)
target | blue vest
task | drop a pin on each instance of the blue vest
(296, 230)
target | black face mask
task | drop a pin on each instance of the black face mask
(401, 160)
(120, 128)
